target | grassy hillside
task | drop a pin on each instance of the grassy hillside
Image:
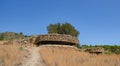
(11, 35)
(69, 56)
(12, 55)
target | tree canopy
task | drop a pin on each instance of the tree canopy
(64, 28)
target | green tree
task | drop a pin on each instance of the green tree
(21, 33)
(64, 28)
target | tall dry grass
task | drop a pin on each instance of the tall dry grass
(10, 55)
(69, 56)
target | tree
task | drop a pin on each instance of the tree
(64, 28)
(21, 33)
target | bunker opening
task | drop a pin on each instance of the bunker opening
(54, 43)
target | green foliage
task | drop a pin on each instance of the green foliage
(11, 35)
(1, 37)
(77, 45)
(21, 33)
(86, 46)
(114, 49)
(64, 28)
(25, 36)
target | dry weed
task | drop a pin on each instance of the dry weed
(69, 56)
(10, 55)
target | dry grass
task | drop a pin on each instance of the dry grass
(69, 56)
(10, 55)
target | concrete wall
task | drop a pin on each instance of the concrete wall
(57, 37)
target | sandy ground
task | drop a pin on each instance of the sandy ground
(33, 57)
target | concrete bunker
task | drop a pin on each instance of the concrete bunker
(56, 39)
(95, 50)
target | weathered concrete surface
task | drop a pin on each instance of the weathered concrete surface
(57, 38)
(95, 50)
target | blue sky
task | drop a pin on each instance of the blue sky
(97, 20)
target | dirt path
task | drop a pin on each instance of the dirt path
(33, 57)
